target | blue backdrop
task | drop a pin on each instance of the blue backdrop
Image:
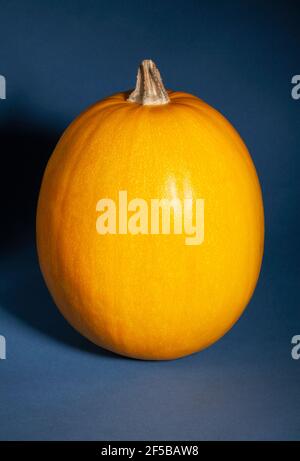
(58, 58)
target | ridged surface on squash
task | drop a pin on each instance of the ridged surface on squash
(150, 296)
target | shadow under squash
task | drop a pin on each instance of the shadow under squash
(26, 148)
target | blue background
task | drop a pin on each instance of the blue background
(58, 58)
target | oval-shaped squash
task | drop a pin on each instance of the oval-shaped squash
(129, 280)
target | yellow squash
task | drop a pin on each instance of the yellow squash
(139, 290)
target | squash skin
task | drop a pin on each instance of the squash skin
(147, 296)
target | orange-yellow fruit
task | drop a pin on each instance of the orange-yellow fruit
(151, 296)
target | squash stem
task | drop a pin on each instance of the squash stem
(149, 90)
